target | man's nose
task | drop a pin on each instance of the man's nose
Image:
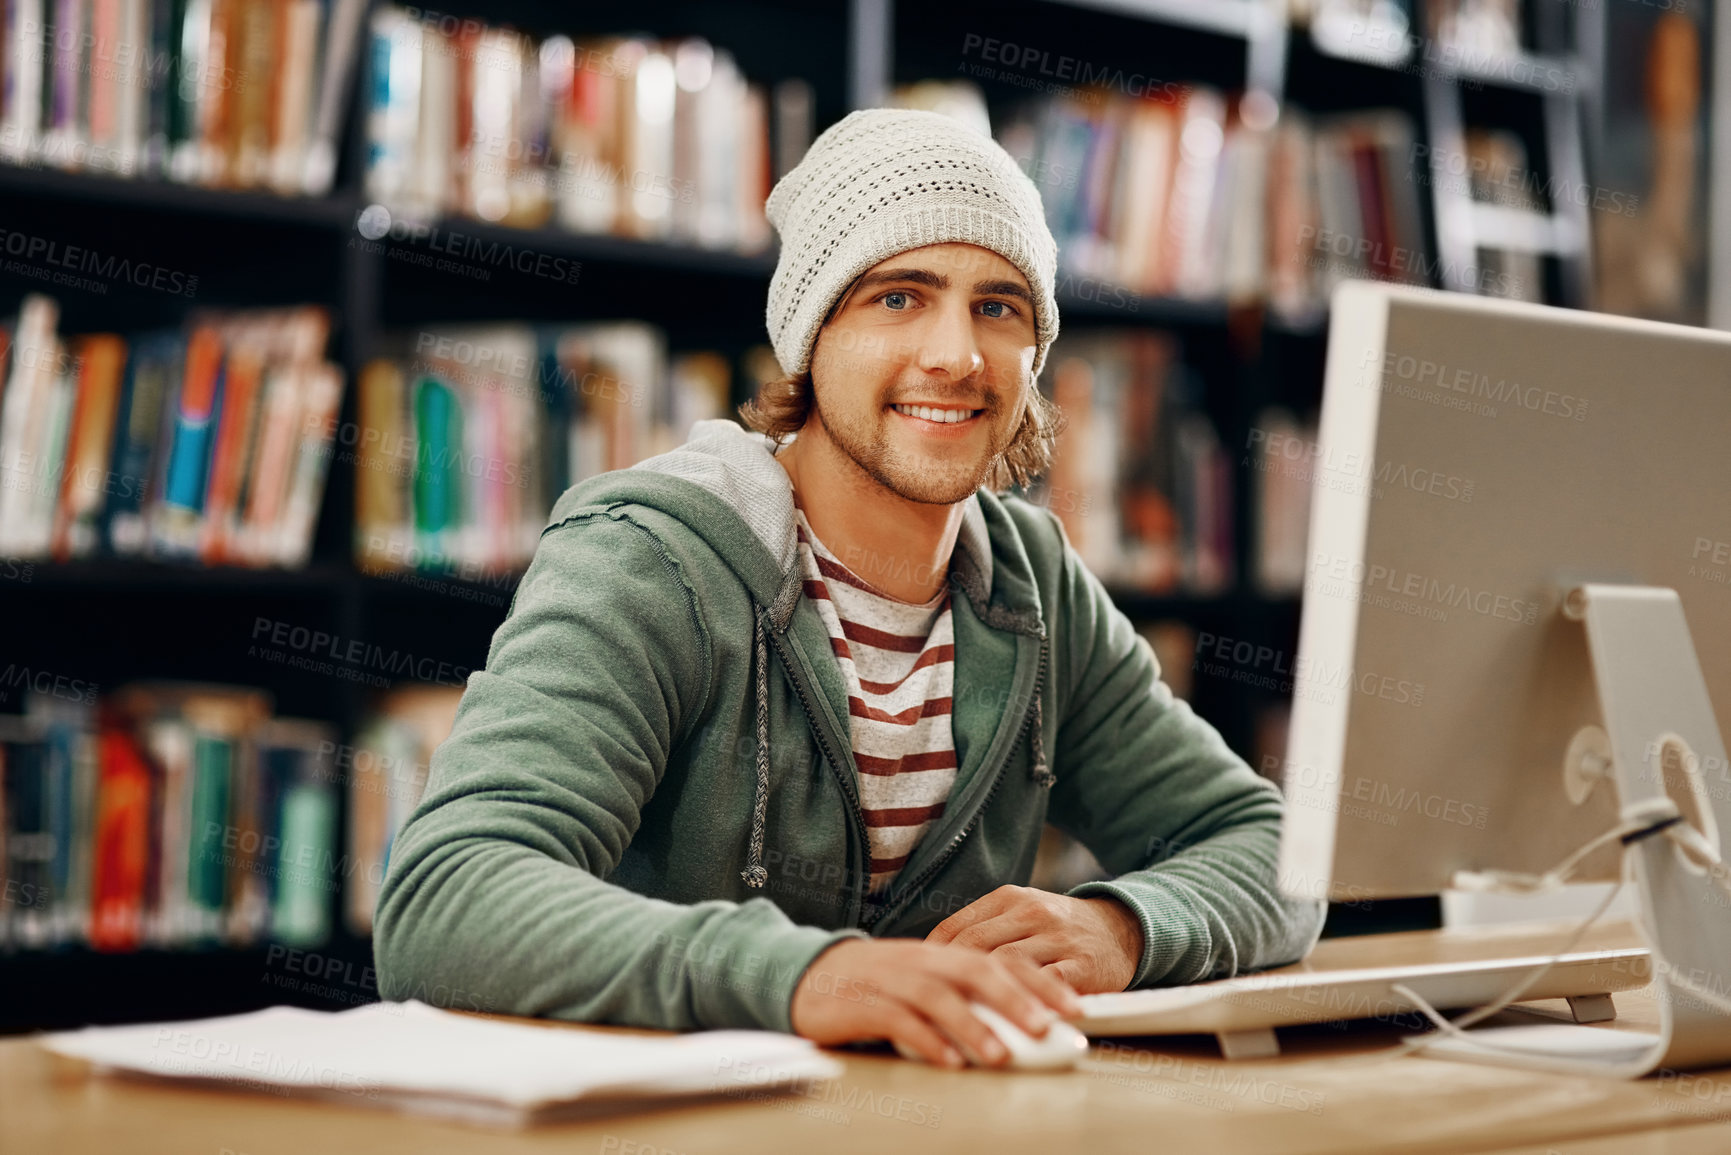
(948, 346)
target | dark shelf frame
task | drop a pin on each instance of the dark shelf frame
(324, 212)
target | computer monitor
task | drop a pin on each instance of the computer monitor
(1477, 462)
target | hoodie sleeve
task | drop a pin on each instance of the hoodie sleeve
(495, 896)
(1189, 830)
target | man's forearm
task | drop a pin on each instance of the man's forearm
(488, 925)
(1214, 909)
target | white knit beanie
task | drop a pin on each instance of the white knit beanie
(882, 181)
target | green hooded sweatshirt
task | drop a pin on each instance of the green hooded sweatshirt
(647, 812)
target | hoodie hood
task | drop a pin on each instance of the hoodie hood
(738, 466)
(725, 485)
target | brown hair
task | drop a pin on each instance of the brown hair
(782, 407)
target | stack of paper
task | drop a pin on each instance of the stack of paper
(412, 1057)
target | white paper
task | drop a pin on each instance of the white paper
(414, 1057)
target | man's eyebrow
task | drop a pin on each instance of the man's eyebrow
(939, 281)
(917, 276)
(1002, 289)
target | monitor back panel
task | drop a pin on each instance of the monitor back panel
(1478, 459)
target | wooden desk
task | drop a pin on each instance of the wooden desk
(1330, 1091)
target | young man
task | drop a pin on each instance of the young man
(770, 734)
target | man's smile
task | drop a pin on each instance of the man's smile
(935, 419)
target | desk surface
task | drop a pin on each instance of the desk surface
(1330, 1091)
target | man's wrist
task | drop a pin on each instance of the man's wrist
(847, 934)
(1126, 929)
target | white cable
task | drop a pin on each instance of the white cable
(1635, 819)
(1654, 816)
(1457, 1027)
(1701, 853)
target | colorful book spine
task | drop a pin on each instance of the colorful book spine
(196, 412)
(213, 446)
(322, 400)
(87, 483)
(23, 411)
(25, 54)
(438, 479)
(180, 815)
(161, 79)
(336, 73)
(138, 419)
(278, 444)
(387, 775)
(383, 458)
(68, 769)
(244, 93)
(297, 798)
(168, 739)
(207, 865)
(121, 849)
(230, 453)
(48, 442)
(30, 841)
(460, 469)
(191, 46)
(102, 85)
(65, 106)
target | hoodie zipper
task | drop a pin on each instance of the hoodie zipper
(895, 906)
(837, 766)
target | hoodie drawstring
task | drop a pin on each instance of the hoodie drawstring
(754, 873)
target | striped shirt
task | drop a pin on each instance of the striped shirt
(898, 660)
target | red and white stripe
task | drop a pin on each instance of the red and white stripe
(898, 662)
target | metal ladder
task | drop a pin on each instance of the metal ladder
(1463, 225)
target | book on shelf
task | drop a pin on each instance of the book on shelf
(230, 94)
(1174, 645)
(470, 435)
(1476, 28)
(387, 774)
(958, 100)
(165, 814)
(1190, 194)
(1283, 458)
(1139, 478)
(1157, 195)
(637, 137)
(1357, 215)
(210, 444)
(1651, 191)
(1268, 744)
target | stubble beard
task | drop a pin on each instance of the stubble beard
(928, 482)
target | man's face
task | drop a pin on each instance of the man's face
(922, 373)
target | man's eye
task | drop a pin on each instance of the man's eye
(896, 300)
(1004, 309)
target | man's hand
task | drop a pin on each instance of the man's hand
(1094, 944)
(917, 994)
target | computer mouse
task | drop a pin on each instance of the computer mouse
(1063, 1047)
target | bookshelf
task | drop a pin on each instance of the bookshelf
(114, 620)
(161, 196)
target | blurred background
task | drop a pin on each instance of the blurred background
(313, 308)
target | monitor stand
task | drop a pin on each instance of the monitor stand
(1660, 738)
